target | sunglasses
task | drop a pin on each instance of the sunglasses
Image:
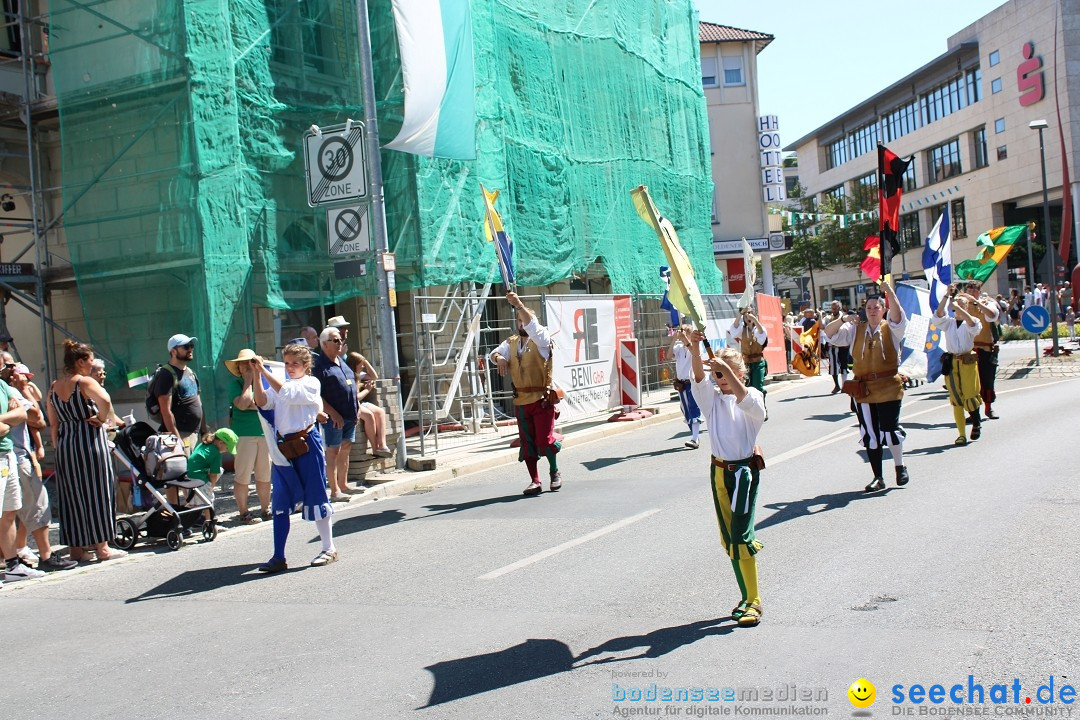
(189, 346)
(336, 341)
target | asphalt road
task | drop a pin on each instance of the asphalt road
(471, 601)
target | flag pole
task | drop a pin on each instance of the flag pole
(385, 321)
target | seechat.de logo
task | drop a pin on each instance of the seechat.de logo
(862, 693)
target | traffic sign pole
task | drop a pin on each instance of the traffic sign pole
(385, 317)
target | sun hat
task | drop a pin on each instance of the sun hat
(338, 321)
(243, 356)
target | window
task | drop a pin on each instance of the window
(1002, 152)
(981, 158)
(868, 180)
(715, 209)
(909, 235)
(708, 72)
(836, 192)
(836, 153)
(945, 160)
(901, 121)
(999, 125)
(864, 140)
(792, 183)
(995, 86)
(733, 74)
(935, 213)
(909, 178)
(952, 96)
(995, 58)
(959, 221)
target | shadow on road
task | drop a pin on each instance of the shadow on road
(360, 523)
(193, 582)
(926, 426)
(448, 508)
(599, 463)
(538, 658)
(832, 418)
(801, 508)
(933, 450)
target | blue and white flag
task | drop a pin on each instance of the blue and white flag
(924, 341)
(937, 259)
(436, 48)
(665, 304)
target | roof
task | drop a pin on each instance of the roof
(713, 33)
(945, 60)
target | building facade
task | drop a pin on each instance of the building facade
(965, 117)
(729, 77)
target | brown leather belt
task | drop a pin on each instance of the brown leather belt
(988, 346)
(529, 389)
(968, 358)
(753, 358)
(300, 433)
(877, 375)
(731, 465)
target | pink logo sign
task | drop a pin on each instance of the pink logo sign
(1029, 77)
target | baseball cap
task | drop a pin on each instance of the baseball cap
(23, 370)
(298, 341)
(228, 437)
(338, 321)
(180, 339)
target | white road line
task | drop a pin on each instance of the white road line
(838, 435)
(567, 545)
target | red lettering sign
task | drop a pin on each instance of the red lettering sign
(736, 276)
(1029, 77)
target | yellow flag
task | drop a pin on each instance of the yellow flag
(684, 293)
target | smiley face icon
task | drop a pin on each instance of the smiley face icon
(862, 693)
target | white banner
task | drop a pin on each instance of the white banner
(585, 330)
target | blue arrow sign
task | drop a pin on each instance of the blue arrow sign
(1035, 319)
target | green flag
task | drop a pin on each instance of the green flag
(995, 245)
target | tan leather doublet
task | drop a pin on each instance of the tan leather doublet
(876, 355)
(529, 370)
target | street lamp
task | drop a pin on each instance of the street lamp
(1041, 125)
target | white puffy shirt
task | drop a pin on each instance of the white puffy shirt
(960, 339)
(296, 405)
(733, 426)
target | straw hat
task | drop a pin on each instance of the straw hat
(244, 356)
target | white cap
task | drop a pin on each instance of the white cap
(180, 339)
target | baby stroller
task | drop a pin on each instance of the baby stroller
(162, 520)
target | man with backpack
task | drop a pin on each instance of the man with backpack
(173, 395)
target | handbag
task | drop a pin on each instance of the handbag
(296, 445)
(858, 389)
(554, 395)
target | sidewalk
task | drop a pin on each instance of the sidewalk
(1048, 367)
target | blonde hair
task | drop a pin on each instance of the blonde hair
(301, 353)
(734, 358)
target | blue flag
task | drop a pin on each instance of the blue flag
(924, 341)
(665, 275)
(937, 259)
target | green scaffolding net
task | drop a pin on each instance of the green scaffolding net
(184, 201)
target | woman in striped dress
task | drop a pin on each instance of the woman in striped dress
(78, 409)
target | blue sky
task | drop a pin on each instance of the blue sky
(818, 67)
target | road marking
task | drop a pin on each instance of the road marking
(567, 545)
(838, 435)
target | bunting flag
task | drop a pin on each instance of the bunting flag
(136, 378)
(891, 171)
(937, 259)
(749, 274)
(436, 49)
(871, 266)
(665, 304)
(494, 232)
(995, 245)
(683, 293)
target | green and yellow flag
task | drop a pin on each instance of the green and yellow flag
(995, 245)
(683, 293)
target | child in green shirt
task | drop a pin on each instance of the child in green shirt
(204, 463)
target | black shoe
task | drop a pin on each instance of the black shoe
(902, 476)
(991, 415)
(556, 481)
(273, 565)
(835, 390)
(875, 484)
(55, 562)
(976, 432)
(534, 489)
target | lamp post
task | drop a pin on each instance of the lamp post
(1041, 125)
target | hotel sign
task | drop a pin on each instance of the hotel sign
(773, 187)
